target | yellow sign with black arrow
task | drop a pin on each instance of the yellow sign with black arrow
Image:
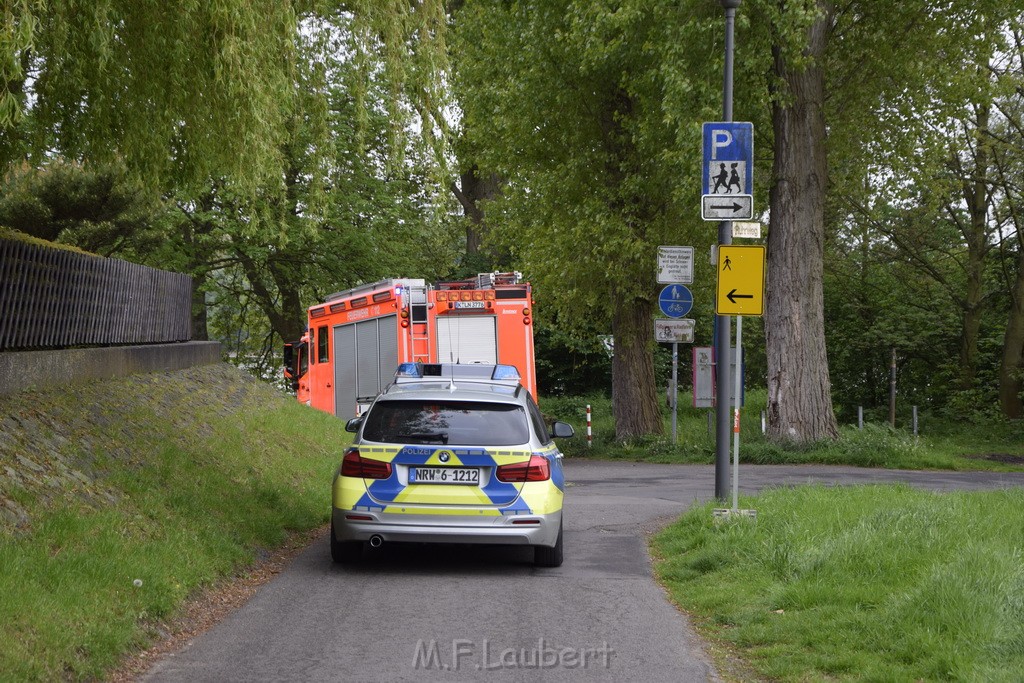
(740, 280)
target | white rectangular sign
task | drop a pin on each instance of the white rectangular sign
(751, 229)
(735, 207)
(674, 330)
(675, 265)
(703, 377)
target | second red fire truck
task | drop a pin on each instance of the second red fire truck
(356, 338)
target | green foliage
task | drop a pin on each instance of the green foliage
(202, 88)
(97, 208)
(194, 91)
(928, 586)
(908, 267)
(596, 184)
(567, 364)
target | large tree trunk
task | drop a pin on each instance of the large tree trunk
(281, 304)
(799, 393)
(473, 192)
(976, 194)
(1011, 368)
(199, 317)
(472, 195)
(634, 392)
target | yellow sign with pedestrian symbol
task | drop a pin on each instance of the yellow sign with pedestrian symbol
(740, 280)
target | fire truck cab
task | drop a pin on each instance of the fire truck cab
(356, 338)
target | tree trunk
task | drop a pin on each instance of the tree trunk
(976, 194)
(869, 392)
(1011, 368)
(634, 394)
(799, 392)
(199, 330)
(472, 193)
(282, 305)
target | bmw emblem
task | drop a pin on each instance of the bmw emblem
(443, 457)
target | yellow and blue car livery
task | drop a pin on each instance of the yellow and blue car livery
(494, 511)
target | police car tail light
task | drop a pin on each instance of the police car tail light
(355, 465)
(537, 469)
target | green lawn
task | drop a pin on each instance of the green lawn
(179, 480)
(878, 583)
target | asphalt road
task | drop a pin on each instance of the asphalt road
(456, 613)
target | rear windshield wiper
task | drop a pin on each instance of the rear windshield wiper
(437, 437)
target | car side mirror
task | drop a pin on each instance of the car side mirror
(562, 430)
(353, 424)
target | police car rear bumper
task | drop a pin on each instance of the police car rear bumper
(521, 529)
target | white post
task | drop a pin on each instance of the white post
(590, 437)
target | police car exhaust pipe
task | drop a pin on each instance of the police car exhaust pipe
(376, 541)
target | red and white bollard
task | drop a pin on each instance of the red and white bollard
(590, 436)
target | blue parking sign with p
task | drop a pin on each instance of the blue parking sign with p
(728, 158)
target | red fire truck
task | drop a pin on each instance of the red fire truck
(356, 338)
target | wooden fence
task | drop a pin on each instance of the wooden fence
(55, 298)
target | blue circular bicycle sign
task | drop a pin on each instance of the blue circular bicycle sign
(675, 300)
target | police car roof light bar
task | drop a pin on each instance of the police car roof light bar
(480, 372)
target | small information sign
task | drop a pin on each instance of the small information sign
(750, 229)
(675, 264)
(674, 331)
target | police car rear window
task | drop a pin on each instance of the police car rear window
(454, 423)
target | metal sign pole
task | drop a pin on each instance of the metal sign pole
(675, 388)
(722, 322)
(736, 415)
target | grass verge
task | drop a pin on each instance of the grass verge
(124, 497)
(867, 583)
(995, 447)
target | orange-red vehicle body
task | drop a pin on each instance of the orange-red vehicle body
(357, 338)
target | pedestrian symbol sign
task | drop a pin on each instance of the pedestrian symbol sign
(727, 184)
(728, 158)
(675, 301)
(740, 280)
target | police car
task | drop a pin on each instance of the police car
(451, 454)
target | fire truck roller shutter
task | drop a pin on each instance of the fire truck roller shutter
(367, 359)
(344, 371)
(366, 354)
(387, 333)
(467, 339)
